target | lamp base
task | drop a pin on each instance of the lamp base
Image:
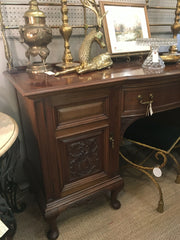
(39, 67)
(153, 62)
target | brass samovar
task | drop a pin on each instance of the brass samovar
(37, 35)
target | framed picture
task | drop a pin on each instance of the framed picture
(123, 24)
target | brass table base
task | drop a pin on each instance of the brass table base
(144, 169)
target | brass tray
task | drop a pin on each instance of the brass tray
(171, 58)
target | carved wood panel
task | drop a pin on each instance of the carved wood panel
(83, 158)
(82, 155)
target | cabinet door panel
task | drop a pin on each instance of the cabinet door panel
(79, 130)
(84, 156)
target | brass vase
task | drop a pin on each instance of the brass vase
(37, 35)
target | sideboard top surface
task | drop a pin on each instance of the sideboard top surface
(32, 85)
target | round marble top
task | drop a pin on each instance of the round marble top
(8, 132)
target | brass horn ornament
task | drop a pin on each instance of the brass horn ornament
(37, 35)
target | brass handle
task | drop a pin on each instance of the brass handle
(111, 140)
(149, 110)
(140, 98)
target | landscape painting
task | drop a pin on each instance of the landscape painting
(123, 24)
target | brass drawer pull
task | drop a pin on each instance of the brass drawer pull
(111, 140)
(149, 110)
(145, 102)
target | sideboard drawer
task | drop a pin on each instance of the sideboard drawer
(164, 96)
(81, 108)
(80, 111)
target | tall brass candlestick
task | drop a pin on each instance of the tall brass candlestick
(66, 31)
(176, 26)
(173, 55)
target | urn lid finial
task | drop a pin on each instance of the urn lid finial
(34, 10)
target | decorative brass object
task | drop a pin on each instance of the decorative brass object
(37, 35)
(173, 55)
(111, 140)
(66, 31)
(144, 169)
(141, 101)
(176, 26)
(6, 46)
(149, 110)
(99, 62)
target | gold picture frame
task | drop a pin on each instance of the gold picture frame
(123, 24)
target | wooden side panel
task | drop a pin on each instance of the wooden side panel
(30, 133)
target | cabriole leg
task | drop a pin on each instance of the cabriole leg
(53, 232)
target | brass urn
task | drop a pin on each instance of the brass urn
(37, 35)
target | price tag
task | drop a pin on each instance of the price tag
(3, 228)
(155, 56)
(150, 109)
(157, 172)
(50, 73)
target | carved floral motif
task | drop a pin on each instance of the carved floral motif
(83, 158)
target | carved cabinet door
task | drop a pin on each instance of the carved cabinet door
(78, 123)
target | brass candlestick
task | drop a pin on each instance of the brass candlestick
(66, 31)
(173, 55)
(176, 26)
(100, 61)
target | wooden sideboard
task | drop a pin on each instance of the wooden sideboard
(73, 126)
